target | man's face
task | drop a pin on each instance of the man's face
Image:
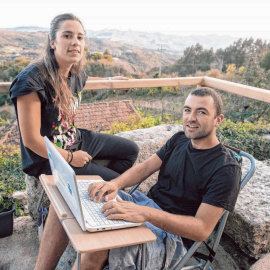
(199, 118)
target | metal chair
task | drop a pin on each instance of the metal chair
(204, 261)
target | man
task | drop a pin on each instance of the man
(198, 179)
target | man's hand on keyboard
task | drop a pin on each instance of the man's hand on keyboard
(97, 190)
(125, 210)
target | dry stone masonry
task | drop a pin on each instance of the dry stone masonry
(248, 226)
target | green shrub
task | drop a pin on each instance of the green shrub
(139, 91)
(247, 137)
(3, 122)
(134, 122)
(5, 115)
(10, 166)
(11, 175)
(6, 199)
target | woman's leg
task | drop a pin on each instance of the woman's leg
(93, 260)
(120, 152)
(53, 243)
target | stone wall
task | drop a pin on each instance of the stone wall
(149, 141)
(248, 226)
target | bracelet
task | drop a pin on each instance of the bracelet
(68, 156)
(71, 157)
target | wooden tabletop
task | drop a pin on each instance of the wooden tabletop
(94, 241)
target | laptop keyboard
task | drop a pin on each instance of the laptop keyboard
(93, 208)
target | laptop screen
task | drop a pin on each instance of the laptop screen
(65, 180)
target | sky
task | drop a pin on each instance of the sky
(237, 18)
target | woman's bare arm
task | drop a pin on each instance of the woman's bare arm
(29, 117)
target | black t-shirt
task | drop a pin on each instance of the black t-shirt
(53, 125)
(191, 176)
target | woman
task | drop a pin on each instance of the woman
(46, 96)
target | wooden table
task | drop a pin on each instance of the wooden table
(84, 242)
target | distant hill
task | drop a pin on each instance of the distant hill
(30, 44)
(133, 59)
(27, 29)
(171, 43)
(22, 39)
(17, 43)
(136, 51)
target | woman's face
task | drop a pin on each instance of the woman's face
(69, 44)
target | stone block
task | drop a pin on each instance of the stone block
(249, 224)
(21, 196)
(33, 190)
(262, 264)
(149, 141)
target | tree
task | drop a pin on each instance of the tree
(96, 56)
(195, 58)
(95, 69)
(265, 63)
(9, 70)
(231, 72)
(213, 72)
(107, 52)
(108, 57)
(254, 75)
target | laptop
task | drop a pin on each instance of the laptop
(75, 193)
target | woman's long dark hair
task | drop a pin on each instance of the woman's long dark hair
(50, 69)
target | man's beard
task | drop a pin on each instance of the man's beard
(197, 136)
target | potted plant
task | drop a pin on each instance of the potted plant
(7, 208)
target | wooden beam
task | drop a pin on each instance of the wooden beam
(127, 84)
(237, 88)
(4, 87)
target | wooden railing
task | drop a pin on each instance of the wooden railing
(236, 88)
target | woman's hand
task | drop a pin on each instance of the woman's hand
(80, 158)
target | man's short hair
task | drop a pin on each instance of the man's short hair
(207, 91)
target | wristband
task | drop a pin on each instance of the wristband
(71, 157)
(109, 78)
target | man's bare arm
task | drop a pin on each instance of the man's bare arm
(196, 228)
(131, 177)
